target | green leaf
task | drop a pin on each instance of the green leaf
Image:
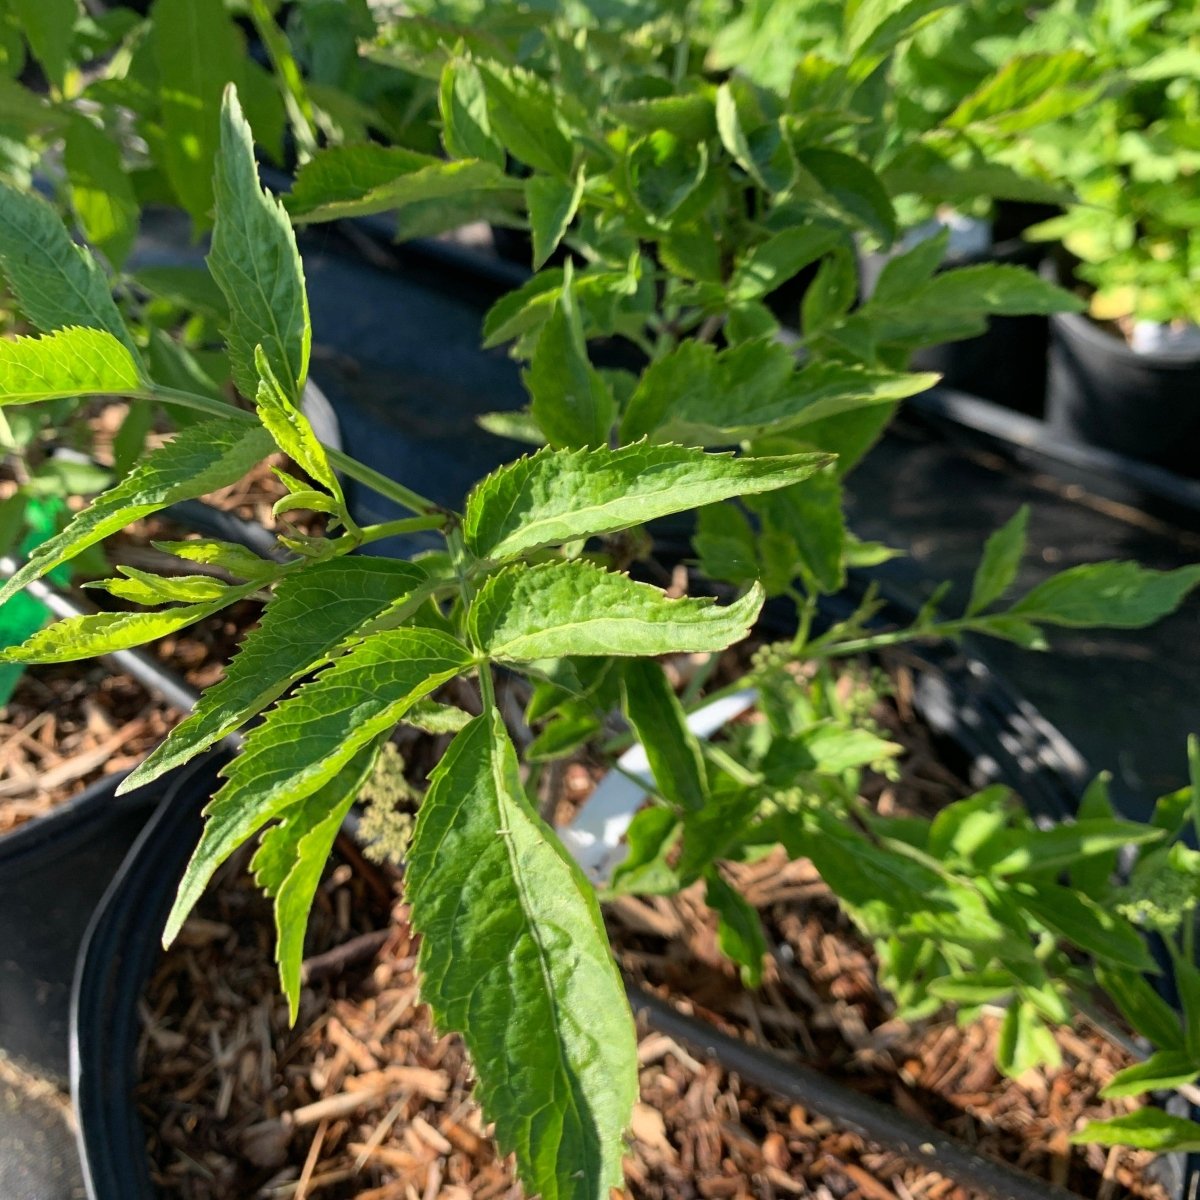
(255, 262)
(1166, 1069)
(50, 27)
(143, 587)
(739, 931)
(292, 432)
(725, 545)
(904, 273)
(431, 717)
(1025, 1043)
(827, 748)
(850, 190)
(1091, 875)
(74, 638)
(652, 835)
(56, 282)
(291, 858)
(810, 513)
(871, 28)
(524, 113)
(973, 987)
(466, 126)
(1028, 90)
(200, 459)
(74, 361)
(1104, 935)
(555, 496)
(565, 734)
(570, 400)
(993, 288)
(356, 181)
(310, 737)
(552, 206)
(310, 615)
(1145, 1010)
(1118, 595)
(514, 957)
(1148, 1128)
(997, 570)
(101, 191)
(197, 51)
(237, 560)
(1019, 850)
(660, 723)
(772, 263)
(560, 609)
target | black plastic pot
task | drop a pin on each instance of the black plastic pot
(1007, 363)
(1143, 406)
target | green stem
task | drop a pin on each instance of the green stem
(386, 529)
(352, 467)
(820, 649)
(291, 82)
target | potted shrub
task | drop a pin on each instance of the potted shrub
(1124, 375)
(503, 912)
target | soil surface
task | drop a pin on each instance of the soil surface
(66, 726)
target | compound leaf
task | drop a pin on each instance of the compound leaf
(558, 495)
(257, 266)
(559, 609)
(310, 615)
(56, 282)
(514, 956)
(91, 634)
(73, 361)
(1001, 558)
(200, 459)
(308, 738)
(671, 747)
(1117, 595)
(291, 858)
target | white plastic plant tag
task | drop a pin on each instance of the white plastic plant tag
(595, 837)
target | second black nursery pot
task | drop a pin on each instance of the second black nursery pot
(1099, 391)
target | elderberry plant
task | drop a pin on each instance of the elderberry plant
(513, 951)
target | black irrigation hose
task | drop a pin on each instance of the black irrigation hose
(879, 1123)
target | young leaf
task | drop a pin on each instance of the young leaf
(200, 459)
(229, 556)
(356, 181)
(739, 930)
(1144, 1009)
(773, 262)
(196, 48)
(101, 190)
(570, 400)
(1025, 1043)
(1119, 595)
(850, 190)
(255, 261)
(308, 738)
(671, 747)
(873, 27)
(1091, 875)
(524, 112)
(292, 432)
(1104, 935)
(556, 496)
(74, 638)
(1148, 1128)
(50, 27)
(310, 615)
(552, 206)
(997, 569)
(56, 282)
(514, 956)
(143, 587)
(560, 609)
(1166, 1069)
(466, 127)
(291, 858)
(74, 361)
(1019, 850)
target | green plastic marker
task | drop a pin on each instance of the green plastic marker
(23, 616)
